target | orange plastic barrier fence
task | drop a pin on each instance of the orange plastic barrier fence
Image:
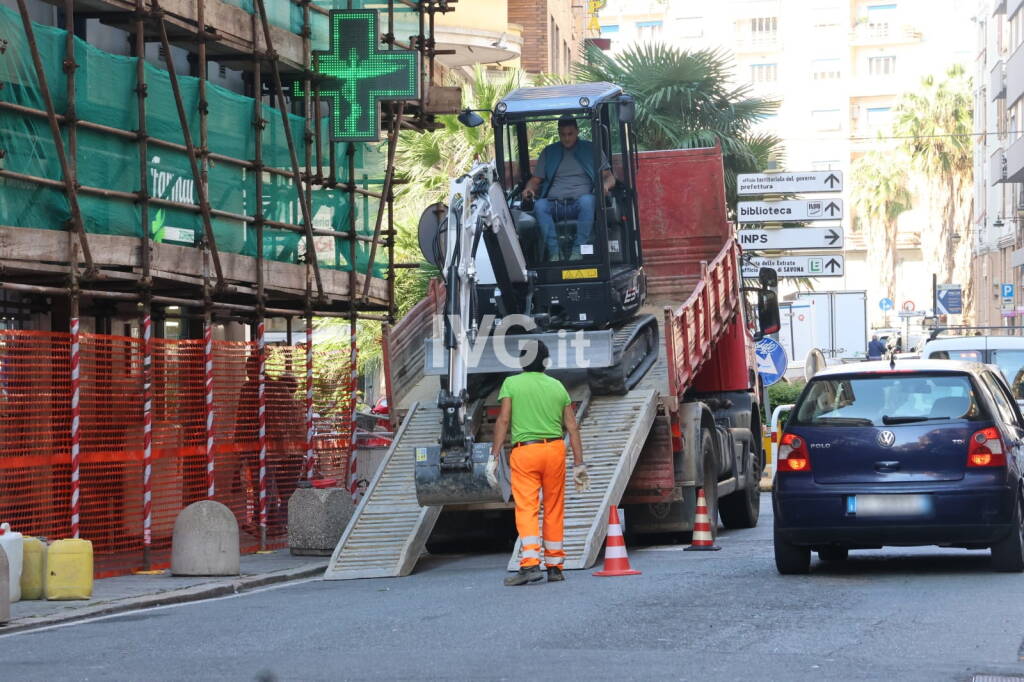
(35, 428)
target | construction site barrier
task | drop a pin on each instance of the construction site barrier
(36, 428)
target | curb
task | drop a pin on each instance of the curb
(177, 596)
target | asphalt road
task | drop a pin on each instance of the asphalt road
(907, 614)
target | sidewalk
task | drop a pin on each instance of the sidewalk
(133, 592)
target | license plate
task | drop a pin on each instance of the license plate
(889, 505)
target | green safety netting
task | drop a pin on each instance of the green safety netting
(106, 94)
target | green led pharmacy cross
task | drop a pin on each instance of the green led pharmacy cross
(357, 75)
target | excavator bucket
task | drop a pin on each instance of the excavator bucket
(452, 478)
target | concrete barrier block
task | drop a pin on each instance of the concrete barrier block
(317, 518)
(5, 589)
(205, 540)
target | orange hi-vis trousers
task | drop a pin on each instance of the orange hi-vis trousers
(536, 467)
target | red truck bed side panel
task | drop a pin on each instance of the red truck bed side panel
(681, 194)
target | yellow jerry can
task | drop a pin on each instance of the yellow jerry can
(69, 570)
(33, 568)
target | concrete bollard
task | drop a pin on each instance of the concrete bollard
(5, 589)
(317, 518)
(205, 540)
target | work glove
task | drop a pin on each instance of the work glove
(581, 478)
(491, 471)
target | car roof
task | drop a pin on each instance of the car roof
(902, 367)
(975, 343)
(556, 99)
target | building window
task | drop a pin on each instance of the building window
(1001, 116)
(610, 28)
(690, 27)
(1013, 30)
(879, 117)
(764, 73)
(764, 30)
(881, 66)
(647, 30)
(1014, 119)
(826, 119)
(879, 19)
(825, 69)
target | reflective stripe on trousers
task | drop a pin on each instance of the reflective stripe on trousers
(537, 467)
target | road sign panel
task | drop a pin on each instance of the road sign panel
(911, 313)
(1007, 290)
(783, 211)
(908, 306)
(787, 238)
(949, 300)
(886, 304)
(771, 360)
(786, 182)
(796, 266)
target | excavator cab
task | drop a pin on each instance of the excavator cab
(593, 277)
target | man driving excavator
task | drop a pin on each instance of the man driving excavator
(564, 179)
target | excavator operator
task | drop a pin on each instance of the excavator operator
(540, 412)
(564, 181)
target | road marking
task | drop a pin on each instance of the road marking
(133, 612)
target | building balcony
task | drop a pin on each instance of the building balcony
(478, 33)
(767, 42)
(998, 7)
(883, 33)
(1012, 6)
(997, 167)
(1015, 161)
(997, 81)
(1015, 76)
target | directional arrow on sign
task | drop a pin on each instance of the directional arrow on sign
(796, 266)
(789, 182)
(832, 181)
(791, 238)
(834, 210)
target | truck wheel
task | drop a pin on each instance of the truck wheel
(742, 508)
(707, 449)
(791, 559)
(1008, 554)
(833, 554)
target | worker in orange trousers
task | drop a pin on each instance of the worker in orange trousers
(539, 411)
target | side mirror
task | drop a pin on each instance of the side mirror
(768, 278)
(627, 110)
(768, 319)
(470, 119)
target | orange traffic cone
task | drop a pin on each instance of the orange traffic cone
(703, 540)
(615, 560)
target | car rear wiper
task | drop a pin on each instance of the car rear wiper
(843, 421)
(909, 419)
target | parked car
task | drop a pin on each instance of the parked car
(923, 452)
(1005, 351)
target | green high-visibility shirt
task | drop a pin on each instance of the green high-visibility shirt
(538, 402)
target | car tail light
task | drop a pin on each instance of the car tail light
(986, 449)
(793, 454)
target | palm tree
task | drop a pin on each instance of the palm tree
(880, 194)
(937, 122)
(684, 100)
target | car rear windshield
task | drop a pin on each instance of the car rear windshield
(888, 399)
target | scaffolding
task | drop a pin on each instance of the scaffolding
(126, 184)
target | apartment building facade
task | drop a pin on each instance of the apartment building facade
(837, 67)
(999, 163)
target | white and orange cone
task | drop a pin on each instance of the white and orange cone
(615, 560)
(703, 539)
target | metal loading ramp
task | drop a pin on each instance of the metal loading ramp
(613, 430)
(389, 530)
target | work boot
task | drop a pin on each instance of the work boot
(555, 574)
(529, 575)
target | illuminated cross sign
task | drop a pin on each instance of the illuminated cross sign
(358, 75)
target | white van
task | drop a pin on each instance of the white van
(1006, 352)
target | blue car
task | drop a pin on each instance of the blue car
(920, 452)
